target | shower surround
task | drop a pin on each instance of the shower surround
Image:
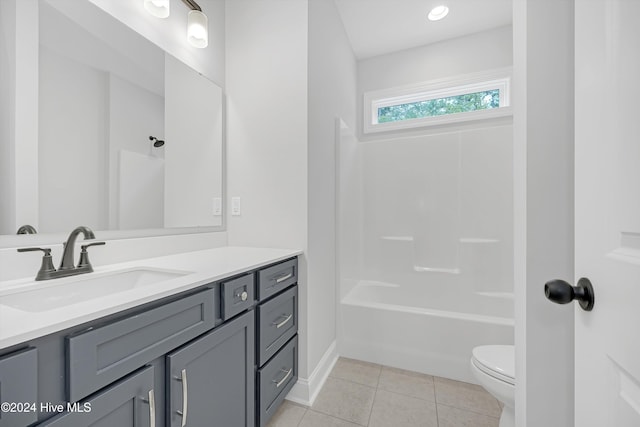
(425, 248)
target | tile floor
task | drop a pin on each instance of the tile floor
(365, 394)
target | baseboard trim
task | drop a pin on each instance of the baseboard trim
(305, 391)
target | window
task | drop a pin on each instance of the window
(472, 97)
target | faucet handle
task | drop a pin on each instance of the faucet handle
(84, 255)
(47, 262)
(47, 251)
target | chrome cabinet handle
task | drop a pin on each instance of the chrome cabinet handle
(281, 324)
(283, 278)
(244, 295)
(152, 408)
(185, 397)
(288, 374)
(151, 400)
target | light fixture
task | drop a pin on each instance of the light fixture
(158, 8)
(197, 26)
(197, 33)
(438, 12)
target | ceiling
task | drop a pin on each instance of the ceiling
(377, 27)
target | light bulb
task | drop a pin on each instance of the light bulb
(158, 8)
(197, 31)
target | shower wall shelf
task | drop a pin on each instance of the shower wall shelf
(461, 240)
(420, 269)
(503, 295)
(398, 238)
(477, 240)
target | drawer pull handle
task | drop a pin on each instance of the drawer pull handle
(281, 324)
(288, 374)
(283, 278)
(185, 397)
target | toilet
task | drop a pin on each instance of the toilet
(494, 368)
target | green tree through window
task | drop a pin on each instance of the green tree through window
(440, 106)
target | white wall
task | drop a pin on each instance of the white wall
(290, 73)
(463, 55)
(543, 162)
(267, 121)
(332, 91)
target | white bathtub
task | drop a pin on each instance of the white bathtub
(412, 327)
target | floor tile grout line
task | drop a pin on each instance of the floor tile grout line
(468, 410)
(408, 395)
(435, 402)
(336, 417)
(302, 418)
(375, 393)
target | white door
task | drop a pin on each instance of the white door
(607, 211)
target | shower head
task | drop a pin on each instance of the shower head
(156, 142)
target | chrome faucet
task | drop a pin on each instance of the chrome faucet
(67, 267)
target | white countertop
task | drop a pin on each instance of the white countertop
(17, 326)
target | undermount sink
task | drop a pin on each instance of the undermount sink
(45, 296)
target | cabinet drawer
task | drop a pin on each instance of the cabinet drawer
(237, 295)
(277, 323)
(273, 279)
(101, 356)
(128, 403)
(276, 378)
(19, 384)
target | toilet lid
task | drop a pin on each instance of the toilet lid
(499, 361)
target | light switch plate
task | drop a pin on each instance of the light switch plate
(235, 206)
(217, 206)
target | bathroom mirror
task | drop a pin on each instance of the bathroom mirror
(130, 139)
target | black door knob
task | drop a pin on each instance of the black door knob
(561, 292)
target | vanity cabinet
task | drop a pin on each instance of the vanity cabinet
(213, 355)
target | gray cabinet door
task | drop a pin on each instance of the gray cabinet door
(210, 382)
(127, 403)
(19, 387)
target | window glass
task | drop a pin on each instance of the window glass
(483, 100)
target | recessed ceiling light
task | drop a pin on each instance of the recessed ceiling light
(438, 12)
